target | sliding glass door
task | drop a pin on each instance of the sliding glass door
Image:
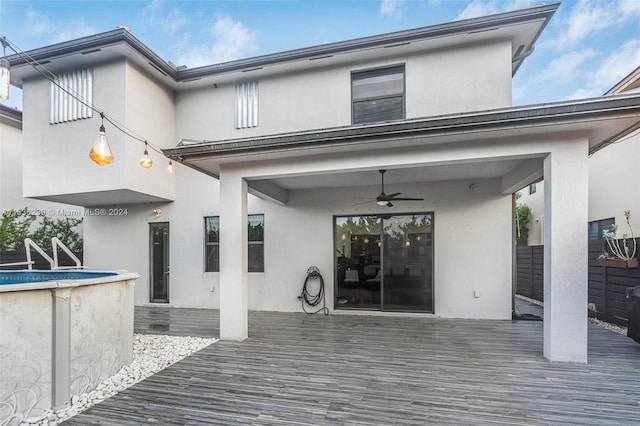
(385, 262)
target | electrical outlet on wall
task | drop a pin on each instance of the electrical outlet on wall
(211, 288)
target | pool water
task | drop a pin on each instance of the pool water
(22, 277)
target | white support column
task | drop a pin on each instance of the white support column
(233, 256)
(565, 252)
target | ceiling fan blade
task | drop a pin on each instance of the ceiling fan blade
(407, 199)
(385, 197)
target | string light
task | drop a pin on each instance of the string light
(146, 161)
(101, 153)
(5, 71)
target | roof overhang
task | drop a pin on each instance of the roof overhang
(10, 116)
(601, 120)
(630, 82)
(521, 27)
(604, 120)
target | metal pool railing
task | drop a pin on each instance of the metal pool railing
(53, 261)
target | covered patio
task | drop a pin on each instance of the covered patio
(345, 369)
(466, 168)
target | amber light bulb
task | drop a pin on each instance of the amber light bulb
(146, 161)
(101, 153)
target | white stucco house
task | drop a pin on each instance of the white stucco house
(11, 154)
(277, 169)
(613, 173)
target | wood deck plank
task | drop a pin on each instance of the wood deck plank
(376, 370)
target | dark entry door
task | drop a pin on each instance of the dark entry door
(159, 262)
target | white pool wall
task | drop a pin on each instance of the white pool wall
(61, 338)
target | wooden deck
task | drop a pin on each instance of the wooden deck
(299, 369)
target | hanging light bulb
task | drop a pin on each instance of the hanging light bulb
(5, 73)
(170, 167)
(146, 161)
(101, 151)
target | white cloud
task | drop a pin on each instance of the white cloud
(38, 23)
(76, 30)
(611, 70)
(616, 66)
(229, 40)
(169, 18)
(488, 7)
(391, 8)
(566, 67)
(585, 18)
(628, 9)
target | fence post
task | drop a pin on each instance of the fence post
(605, 294)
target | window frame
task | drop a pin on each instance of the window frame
(403, 95)
(598, 223)
(250, 244)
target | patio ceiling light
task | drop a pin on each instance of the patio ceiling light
(101, 153)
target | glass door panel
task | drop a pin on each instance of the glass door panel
(159, 259)
(358, 274)
(407, 263)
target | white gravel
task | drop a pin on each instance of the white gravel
(151, 353)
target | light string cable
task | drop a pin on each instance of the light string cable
(42, 70)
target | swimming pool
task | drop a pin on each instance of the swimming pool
(31, 276)
(62, 333)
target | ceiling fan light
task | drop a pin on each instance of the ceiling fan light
(382, 203)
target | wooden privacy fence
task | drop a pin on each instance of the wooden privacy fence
(607, 285)
(39, 261)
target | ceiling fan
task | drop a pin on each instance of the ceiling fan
(385, 200)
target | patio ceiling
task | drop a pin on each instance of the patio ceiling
(461, 171)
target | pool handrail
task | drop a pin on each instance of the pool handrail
(53, 261)
(28, 244)
(55, 244)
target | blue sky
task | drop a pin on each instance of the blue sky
(588, 47)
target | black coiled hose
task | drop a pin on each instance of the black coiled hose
(313, 300)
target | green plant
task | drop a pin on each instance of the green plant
(61, 228)
(619, 248)
(523, 215)
(16, 225)
(14, 228)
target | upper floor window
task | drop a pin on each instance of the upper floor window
(377, 95)
(532, 189)
(597, 227)
(70, 95)
(247, 105)
(212, 243)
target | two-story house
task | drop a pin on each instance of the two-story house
(278, 161)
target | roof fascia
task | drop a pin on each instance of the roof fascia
(622, 85)
(472, 25)
(10, 116)
(512, 118)
(43, 55)
(122, 35)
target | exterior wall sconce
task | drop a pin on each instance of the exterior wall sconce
(157, 212)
